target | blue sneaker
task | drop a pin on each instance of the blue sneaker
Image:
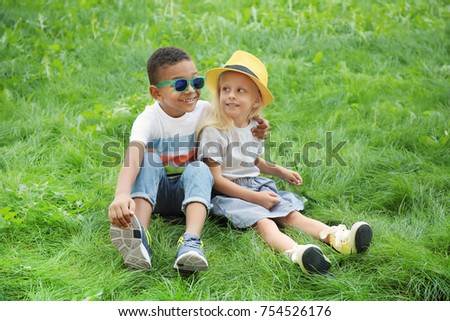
(190, 256)
(132, 243)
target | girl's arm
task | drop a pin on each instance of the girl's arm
(276, 170)
(225, 186)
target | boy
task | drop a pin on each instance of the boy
(160, 173)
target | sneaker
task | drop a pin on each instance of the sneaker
(310, 258)
(132, 243)
(355, 240)
(190, 256)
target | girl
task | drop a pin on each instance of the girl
(247, 199)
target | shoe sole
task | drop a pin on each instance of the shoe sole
(362, 234)
(314, 261)
(129, 243)
(191, 261)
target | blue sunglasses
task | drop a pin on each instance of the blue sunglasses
(181, 85)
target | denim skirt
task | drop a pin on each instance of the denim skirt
(243, 214)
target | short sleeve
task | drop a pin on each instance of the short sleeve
(140, 131)
(212, 145)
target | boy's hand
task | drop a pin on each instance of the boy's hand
(121, 210)
(262, 130)
(292, 177)
(266, 199)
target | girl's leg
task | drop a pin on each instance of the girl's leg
(272, 235)
(305, 224)
(355, 240)
(310, 258)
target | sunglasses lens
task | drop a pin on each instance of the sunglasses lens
(198, 83)
(180, 85)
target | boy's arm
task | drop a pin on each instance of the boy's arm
(122, 207)
(276, 170)
(225, 186)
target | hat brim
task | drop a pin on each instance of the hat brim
(212, 82)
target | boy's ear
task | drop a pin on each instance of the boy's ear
(154, 92)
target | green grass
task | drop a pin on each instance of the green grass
(375, 74)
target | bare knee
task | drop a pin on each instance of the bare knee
(292, 219)
(264, 224)
(266, 227)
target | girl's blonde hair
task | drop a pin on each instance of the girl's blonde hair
(217, 118)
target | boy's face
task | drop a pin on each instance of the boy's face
(239, 96)
(174, 103)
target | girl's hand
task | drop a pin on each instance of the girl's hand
(266, 199)
(292, 177)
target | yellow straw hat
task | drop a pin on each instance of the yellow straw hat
(247, 64)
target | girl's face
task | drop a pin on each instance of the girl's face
(174, 103)
(238, 97)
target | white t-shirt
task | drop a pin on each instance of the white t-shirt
(235, 150)
(173, 139)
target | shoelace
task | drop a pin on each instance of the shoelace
(191, 242)
(292, 251)
(147, 235)
(323, 235)
(147, 238)
(340, 235)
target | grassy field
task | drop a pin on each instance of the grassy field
(374, 75)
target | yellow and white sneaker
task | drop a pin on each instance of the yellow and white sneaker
(355, 240)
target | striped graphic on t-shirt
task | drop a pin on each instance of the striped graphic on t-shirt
(175, 152)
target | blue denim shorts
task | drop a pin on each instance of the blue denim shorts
(169, 195)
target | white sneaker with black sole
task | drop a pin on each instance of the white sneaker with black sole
(310, 258)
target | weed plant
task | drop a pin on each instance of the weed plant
(374, 75)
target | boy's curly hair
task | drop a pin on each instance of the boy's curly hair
(161, 57)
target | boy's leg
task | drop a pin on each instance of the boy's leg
(146, 187)
(195, 218)
(143, 211)
(196, 183)
(132, 243)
